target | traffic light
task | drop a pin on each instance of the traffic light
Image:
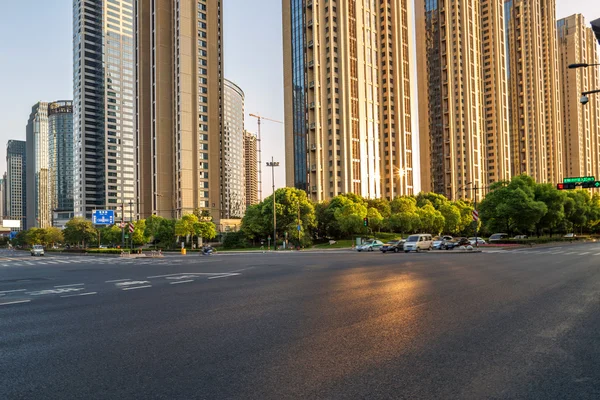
(366, 221)
(566, 186)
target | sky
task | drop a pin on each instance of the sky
(36, 63)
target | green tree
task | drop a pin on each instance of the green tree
(184, 226)
(153, 224)
(205, 230)
(375, 219)
(53, 235)
(382, 205)
(350, 218)
(289, 202)
(253, 223)
(165, 236)
(79, 230)
(436, 200)
(404, 218)
(110, 235)
(139, 236)
(452, 218)
(430, 219)
(35, 236)
(554, 200)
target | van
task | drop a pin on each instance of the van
(422, 241)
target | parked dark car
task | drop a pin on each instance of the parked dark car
(393, 246)
(457, 242)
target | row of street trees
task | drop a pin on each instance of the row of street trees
(524, 206)
(519, 206)
(343, 216)
(161, 231)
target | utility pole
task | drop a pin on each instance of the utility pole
(130, 221)
(274, 164)
(122, 226)
(299, 227)
(476, 222)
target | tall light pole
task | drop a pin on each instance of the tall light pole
(274, 164)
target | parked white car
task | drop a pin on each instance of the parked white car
(37, 250)
(479, 240)
(370, 245)
(422, 241)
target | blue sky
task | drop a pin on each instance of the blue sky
(36, 62)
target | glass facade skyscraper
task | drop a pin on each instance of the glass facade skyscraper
(104, 171)
(60, 150)
(16, 181)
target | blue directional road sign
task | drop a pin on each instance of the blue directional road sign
(103, 217)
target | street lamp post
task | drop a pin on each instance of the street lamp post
(581, 65)
(460, 189)
(274, 164)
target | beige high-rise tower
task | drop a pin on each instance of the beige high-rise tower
(451, 111)
(577, 44)
(534, 86)
(347, 83)
(250, 168)
(179, 106)
(496, 136)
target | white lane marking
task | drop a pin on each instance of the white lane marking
(137, 287)
(186, 273)
(117, 280)
(5, 265)
(583, 254)
(80, 294)
(240, 270)
(571, 252)
(28, 263)
(15, 302)
(73, 284)
(178, 282)
(222, 276)
(12, 291)
(64, 261)
(52, 262)
(131, 283)
(41, 262)
(597, 254)
(54, 291)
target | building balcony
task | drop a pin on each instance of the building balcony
(313, 168)
(310, 44)
(313, 147)
(311, 64)
(314, 189)
(309, 4)
(311, 84)
(312, 125)
(311, 105)
(309, 23)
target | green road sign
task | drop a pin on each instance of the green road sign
(579, 179)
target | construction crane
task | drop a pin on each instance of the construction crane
(259, 118)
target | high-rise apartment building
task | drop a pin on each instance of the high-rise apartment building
(250, 168)
(534, 83)
(179, 106)
(581, 124)
(232, 180)
(347, 83)
(451, 111)
(39, 192)
(104, 121)
(16, 182)
(60, 150)
(2, 194)
(496, 137)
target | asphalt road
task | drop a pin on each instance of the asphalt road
(338, 325)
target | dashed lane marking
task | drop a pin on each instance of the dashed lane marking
(73, 284)
(13, 291)
(137, 287)
(178, 282)
(80, 294)
(117, 280)
(15, 302)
